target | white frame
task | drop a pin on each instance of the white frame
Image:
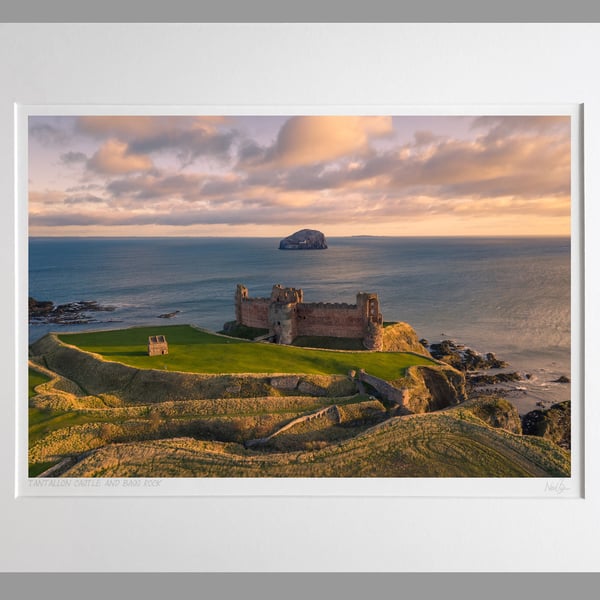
(542, 63)
(568, 487)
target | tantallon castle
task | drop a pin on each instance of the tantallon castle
(287, 316)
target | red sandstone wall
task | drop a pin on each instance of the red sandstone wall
(330, 320)
(255, 312)
(319, 319)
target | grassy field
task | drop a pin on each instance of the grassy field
(329, 343)
(198, 351)
(35, 379)
(42, 422)
(37, 468)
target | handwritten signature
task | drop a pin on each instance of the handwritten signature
(556, 487)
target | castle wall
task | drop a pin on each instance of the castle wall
(286, 316)
(387, 390)
(254, 312)
(332, 320)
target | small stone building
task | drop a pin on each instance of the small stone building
(157, 344)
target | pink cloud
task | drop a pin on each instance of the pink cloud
(313, 139)
(113, 158)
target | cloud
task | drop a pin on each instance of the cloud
(359, 209)
(155, 186)
(46, 134)
(525, 166)
(130, 127)
(86, 199)
(70, 158)
(189, 137)
(113, 158)
(186, 186)
(424, 138)
(327, 170)
(188, 145)
(223, 186)
(86, 187)
(39, 198)
(249, 152)
(306, 140)
(501, 127)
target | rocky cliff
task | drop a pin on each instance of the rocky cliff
(305, 239)
(401, 337)
(553, 424)
(432, 388)
(496, 412)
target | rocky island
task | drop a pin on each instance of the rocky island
(305, 239)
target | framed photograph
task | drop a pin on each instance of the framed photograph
(272, 295)
(378, 297)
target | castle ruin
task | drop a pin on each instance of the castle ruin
(157, 345)
(287, 316)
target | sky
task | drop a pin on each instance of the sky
(272, 175)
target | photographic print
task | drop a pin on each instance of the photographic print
(299, 296)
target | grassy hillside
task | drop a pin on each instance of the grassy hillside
(126, 416)
(196, 351)
(429, 445)
(206, 437)
(35, 378)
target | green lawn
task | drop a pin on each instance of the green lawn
(35, 379)
(42, 422)
(330, 343)
(37, 468)
(197, 351)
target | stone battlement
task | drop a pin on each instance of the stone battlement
(287, 316)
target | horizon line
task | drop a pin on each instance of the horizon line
(117, 237)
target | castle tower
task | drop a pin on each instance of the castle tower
(368, 305)
(285, 294)
(241, 292)
(283, 314)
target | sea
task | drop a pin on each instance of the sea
(509, 296)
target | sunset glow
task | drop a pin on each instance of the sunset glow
(270, 175)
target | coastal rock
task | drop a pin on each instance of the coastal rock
(493, 379)
(553, 424)
(305, 239)
(39, 308)
(464, 359)
(169, 315)
(433, 388)
(72, 313)
(496, 412)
